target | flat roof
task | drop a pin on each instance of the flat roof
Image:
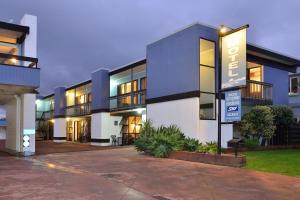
(290, 64)
(16, 31)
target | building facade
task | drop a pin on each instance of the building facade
(19, 79)
(174, 84)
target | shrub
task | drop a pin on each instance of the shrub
(259, 122)
(251, 143)
(143, 142)
(190, 144)
(159, 142)
(283, 116)
(212, 147)
(208, 147)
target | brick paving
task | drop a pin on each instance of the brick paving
(125, 174)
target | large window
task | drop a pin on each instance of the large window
(294, 84)
(207, 80)
(127, 87)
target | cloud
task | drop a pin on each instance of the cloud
(75, 37)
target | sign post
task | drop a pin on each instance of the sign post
(231, 74)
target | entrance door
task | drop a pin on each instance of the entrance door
(131, 127)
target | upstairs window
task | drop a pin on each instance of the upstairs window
(293, 85)
(207, 80)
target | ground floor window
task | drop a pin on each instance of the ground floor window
(131, 126)
(207, 106)
(78, 130)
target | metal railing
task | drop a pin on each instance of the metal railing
(130, 100)
(19, 61)
(79, 109)
(44, 115)
(255, 90)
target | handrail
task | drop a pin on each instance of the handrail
(128, 94)
(34, 61)
(259, 82)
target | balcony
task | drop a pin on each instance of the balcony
(128, 101)
(19, 70)
(257, 93)
(78, 110)
(44, 115)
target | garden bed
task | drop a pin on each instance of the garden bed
(224, 159)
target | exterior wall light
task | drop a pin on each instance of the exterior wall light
(223, 29)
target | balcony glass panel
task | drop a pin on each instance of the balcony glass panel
(118, 79)
(128, 88)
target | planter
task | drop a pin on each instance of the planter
(224, 159)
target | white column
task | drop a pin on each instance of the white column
(20, 116)
(28, 124)
(30, 43)
(60, 132)
(102, 127)
(13, 130)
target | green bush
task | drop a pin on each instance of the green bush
(208, 147)
(283, 116)
(190, 144)
(212, 147)
(257, 123)
(143, 143)
(251, 143)
(159, 142)
(162, 141)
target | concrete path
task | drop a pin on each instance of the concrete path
(125, 174)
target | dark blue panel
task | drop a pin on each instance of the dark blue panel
(100, 90)
(279, 79)
(60, 101)
(23, 76)
(173, 62)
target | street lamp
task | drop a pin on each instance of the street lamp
(223, 31)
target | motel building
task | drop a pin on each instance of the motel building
(19, 80)
(175, 84)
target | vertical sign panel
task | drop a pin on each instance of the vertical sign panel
(233, 106)
(234, 59)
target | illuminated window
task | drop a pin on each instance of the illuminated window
(207, 80)
(8, 39)
(294, 84)
(255, 74)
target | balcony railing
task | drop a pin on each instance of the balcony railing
(128, 101)
(258, 91)
(78, 110)
(19, 61)
(44, 115)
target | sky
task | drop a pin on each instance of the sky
(76, 37)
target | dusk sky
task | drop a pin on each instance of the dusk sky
(76, 37)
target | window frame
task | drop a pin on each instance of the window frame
(215, 82)
(290, 85)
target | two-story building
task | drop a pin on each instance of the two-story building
(19, 79)
(174, 84)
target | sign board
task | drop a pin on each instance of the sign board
(233, 106)
(234, 59)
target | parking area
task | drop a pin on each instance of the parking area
(125, 174)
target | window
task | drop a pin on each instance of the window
(207, 80)
(293, 85)
(143, 83)
(70, 97)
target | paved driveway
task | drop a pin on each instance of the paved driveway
(125, 174)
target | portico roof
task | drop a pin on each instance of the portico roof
(15, 31)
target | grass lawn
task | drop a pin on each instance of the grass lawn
(285, 162)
